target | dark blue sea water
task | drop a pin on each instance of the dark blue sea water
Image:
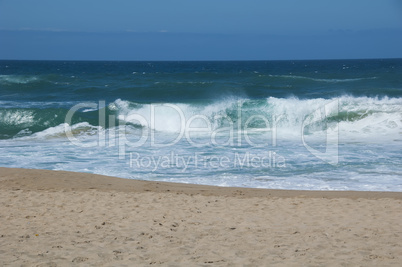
(325, 125)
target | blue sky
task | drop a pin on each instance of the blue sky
(200, 30)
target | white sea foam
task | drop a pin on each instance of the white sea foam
(59, 131)
(16, 117)
(358, 117)
(363, 164)
(18, 79)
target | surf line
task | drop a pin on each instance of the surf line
(187, 125)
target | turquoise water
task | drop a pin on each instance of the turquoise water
(325, 125)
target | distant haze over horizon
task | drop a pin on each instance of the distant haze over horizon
(202, 30)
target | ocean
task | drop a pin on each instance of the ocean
(306, 125)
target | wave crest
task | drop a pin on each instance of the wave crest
(357, 117)
(18, 79)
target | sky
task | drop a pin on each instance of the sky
(200, 29)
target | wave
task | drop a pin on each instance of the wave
(18, 79)
(59, 131)
(19, 122)
(322, 80)
(356, 117)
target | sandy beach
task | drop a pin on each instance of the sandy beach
(58, 218)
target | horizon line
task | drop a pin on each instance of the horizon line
(202, 60)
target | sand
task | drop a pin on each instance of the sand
(50, 218)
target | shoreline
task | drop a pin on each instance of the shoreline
(40, 179)
(59, 218)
